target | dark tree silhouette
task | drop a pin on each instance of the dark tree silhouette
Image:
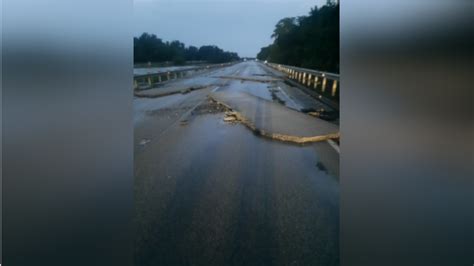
(149, 48)
(309, 41)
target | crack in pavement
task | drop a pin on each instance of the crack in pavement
(275, 136)
(168, 91)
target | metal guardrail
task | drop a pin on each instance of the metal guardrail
(314, 79)
(155, 78)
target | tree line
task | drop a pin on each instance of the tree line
(308, 41)
(150, 48)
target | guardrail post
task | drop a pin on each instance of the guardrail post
(159, 78)
(168, 76)
(135, 84)
(150, 81)
(311, 78)
(175, 75)
(334, 88)
(323, 87)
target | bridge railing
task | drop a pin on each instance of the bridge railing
(146, 81)
(317, 80)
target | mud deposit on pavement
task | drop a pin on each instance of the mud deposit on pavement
(209, 107)
(314, 134)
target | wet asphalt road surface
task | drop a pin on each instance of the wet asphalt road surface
(209, 192)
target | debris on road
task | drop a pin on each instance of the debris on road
(275, 121)
(209, 107)
(231, 117)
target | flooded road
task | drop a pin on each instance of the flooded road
(210, 192)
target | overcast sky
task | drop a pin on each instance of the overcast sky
(242, 26)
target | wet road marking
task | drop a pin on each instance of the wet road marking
(215, 89)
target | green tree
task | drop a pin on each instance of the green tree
(309, 41)
(149, 48)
